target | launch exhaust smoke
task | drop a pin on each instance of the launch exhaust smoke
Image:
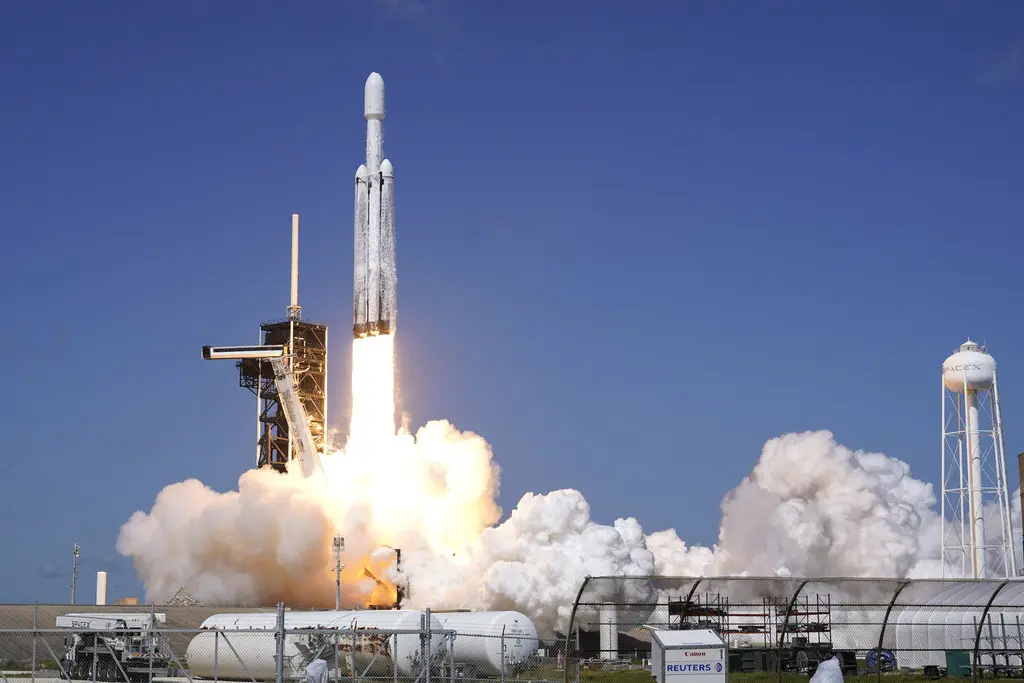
(810, 507)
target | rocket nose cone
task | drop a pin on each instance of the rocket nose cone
(373, 97)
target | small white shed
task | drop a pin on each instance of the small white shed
(681, 656)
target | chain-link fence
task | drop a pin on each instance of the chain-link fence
(775, 629)
(136, 647)
(781, 628)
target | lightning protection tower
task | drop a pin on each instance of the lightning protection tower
(307, 344)
(976, 529)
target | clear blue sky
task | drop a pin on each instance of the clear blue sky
(633, 244)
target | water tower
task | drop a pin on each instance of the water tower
(976, 530)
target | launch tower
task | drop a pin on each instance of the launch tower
(307, 343)
(976, 530)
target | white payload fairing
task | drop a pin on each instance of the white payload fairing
(376, 282)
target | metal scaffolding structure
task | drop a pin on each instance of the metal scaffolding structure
(788, 625)
(307, 344)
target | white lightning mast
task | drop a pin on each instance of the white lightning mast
(977, 537)
(74, 572)
(338, 545)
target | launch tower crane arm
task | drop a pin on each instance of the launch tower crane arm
(298, 422)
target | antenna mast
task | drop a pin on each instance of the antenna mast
(339, 546)
(74, 573)
(294, 310)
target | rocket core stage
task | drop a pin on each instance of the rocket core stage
(376, 281)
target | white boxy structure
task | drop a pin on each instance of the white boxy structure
(697, 655)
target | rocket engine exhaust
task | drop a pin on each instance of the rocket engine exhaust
(375, 286)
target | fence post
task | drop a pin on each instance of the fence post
(152, 638)
(785, 625)
(394, 659)
(981, 624)
(502, 668)
(577, 649)
(279, 637)
(35, 635)
(451, 658)
(426, 612)
(423, 650)
(216, 654)
(352, 657)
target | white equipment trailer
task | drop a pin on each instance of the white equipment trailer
(113, 647)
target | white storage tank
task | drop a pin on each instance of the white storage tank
(250, 655)
(608, 631)
(478, 640)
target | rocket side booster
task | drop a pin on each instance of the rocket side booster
(376, 282)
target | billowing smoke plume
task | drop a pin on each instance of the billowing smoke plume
(271, 540)
(264, 541)
(810, 507)
(534, 562)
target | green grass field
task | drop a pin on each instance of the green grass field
(640, 675)
(587, 675)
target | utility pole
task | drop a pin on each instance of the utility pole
(339, 546)
(74, 573)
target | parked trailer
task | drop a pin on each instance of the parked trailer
(111, 647)
(249, 655)
(479, 641)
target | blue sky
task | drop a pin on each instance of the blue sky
(632, 245)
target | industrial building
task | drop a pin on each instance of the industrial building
(793, 624)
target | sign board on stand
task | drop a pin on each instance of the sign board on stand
(697, 656)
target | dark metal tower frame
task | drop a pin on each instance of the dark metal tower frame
(307, 359)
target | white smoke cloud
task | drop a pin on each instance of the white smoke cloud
(270, 541)
(810, 507)
(241, 547)
(534, 562)
(813, 507)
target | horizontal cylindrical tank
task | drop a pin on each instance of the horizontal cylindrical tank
(479, 641)
(969, 366)
(246, 656)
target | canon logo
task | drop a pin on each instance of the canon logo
(692, 653)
